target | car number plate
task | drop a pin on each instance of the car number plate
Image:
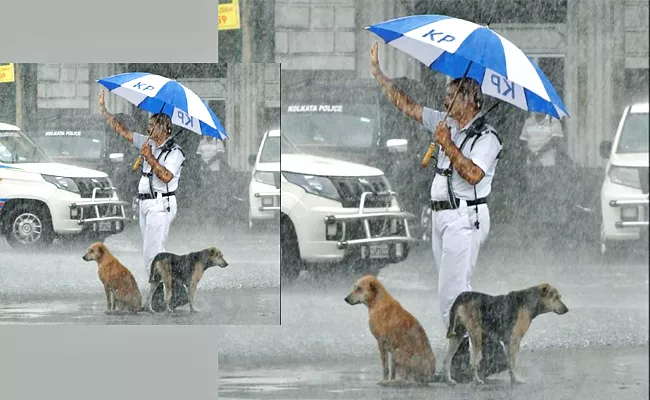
(105, 226)
(378, 251)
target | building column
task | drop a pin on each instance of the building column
(595, 72)
(244, 112)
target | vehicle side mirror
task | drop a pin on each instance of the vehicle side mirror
(116, 157)
(397, 145)
(251, 159)
(605, 149)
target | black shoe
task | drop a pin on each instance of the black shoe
(494, 361)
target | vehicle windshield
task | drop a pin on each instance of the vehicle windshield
(271, 150)
(287, 147)
(321, 126)
(16, 147)
(71, 144)
(635, 133)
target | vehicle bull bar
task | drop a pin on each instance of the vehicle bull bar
(635, 205)
(395, 228)
(275, 199)
(113, 212)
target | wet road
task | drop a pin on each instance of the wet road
(324, 350)
(591, 373)
(56, 286)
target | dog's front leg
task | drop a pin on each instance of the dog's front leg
(111, 301)
(513, 348)
(383, 352)
(393, 364)
(107, 290)
(454, 344)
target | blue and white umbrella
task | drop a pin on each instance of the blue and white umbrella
(157, 94)
(449, 45)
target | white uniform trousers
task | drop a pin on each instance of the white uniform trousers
(154, 226)
(456, 243)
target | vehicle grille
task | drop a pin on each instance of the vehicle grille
(105, 210)
(350, 190)
(378, 228)
(86, 186)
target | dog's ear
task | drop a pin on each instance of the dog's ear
(213, 252)
(544, 289)
(374, 287)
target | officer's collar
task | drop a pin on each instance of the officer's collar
(467, 125)
(163, 144)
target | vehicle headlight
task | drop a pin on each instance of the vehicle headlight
(318, 185)
(62, 183)
(264, 177)
(625, 176)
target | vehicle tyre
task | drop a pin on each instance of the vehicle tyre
(30, 225)
(290, 262)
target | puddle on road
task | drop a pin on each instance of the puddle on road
(43, 310)
(290, 379)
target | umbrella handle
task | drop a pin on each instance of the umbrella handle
(137, 163)
(429, 155)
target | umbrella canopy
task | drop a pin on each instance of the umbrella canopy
(450, 45)
(157, 94)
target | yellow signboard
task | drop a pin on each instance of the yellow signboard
(7, 72)
(228, 16)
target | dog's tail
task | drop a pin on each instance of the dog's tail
(451, 331)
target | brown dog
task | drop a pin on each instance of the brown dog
(121, 289)
(504, 318)
(397, 332)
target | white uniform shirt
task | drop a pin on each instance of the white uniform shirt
(537, 134)
(483, 155)
(173, 162)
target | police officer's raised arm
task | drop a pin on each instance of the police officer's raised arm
(113, 122)
(401, 100)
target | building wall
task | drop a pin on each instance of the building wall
(69, 91)
(63, 85)
(636, 33)
(599, 40)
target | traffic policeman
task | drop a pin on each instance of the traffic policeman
(161, 171)
(468, 151)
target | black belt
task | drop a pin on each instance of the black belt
(445, 205)
(148, 196)
(443, 172)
